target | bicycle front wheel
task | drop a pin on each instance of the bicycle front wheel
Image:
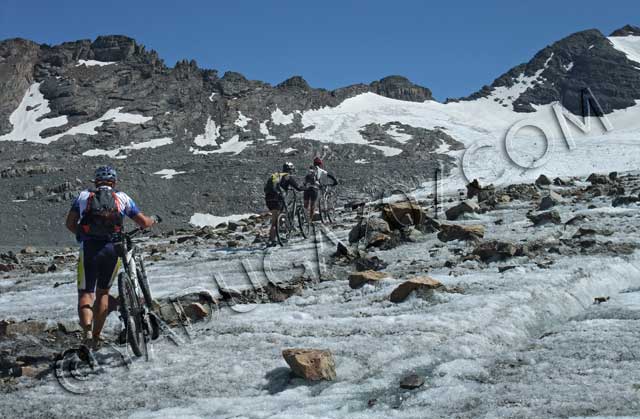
(143, 282)
(303, 222)
(283, 229)
(131, 313)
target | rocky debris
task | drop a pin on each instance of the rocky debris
(522, 192)
(545, 217)
(543, 180)
(577, 219)
(600, 300)
(369, 263)
(29, 250)
(562, 182)
(468, 206)
(449, 232)
(551, 200)
(27, 327)
(624, 200)
(495, 250)
(368, 226)
(411, 382)
(6, 267)
(311, 364)
(482, 193)
(582, 232)
(196, 311)
(69, 327)
(505, 268)
(264, 293)
(423, 285)
(598, 179)
(359, 279)
(403, 214)
(613, 176)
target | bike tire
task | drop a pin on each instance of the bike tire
(130, 312)
(303, 222)
(146, 293)
(330, 207)
(283, 229)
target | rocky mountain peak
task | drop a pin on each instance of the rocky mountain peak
(563, 71)
(296, 82)
(627, 30)
(401, 88)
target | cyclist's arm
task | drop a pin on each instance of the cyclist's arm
(142, 220)
(335, 181)
(294, 185)
(72, 221)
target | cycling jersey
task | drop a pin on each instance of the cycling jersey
(126, 206)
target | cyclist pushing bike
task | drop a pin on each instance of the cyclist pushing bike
(274, 190)
(95, 217)
(314, 181)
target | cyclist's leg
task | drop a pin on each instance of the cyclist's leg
(86, 285)
(313, 198)
(108, 264)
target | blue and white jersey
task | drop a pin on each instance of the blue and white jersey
(126, 206)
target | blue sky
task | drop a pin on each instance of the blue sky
(452, 47)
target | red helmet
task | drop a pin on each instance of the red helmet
(317, 162)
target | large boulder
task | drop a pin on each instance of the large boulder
(468, 206)
(368, 227)
(449, 232)
(551, 200)
(494, 250)
(543, 180)
(423, 284)
(482, 193)
(545, 217)
(311, 364)
(358, 279)
(403, 214)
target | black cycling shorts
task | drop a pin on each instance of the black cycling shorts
(98, 265)
(274, 202)
(310, 195)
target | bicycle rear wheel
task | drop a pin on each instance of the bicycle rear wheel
(283, 229)
(131, 311)
(330, 206)
(303, 222)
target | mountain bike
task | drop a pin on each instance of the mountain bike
(136, 310)
(327, 204)
(292, 213)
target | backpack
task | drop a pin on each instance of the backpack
(272, 186)
(101, 217)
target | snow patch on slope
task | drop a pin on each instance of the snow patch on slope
(630, 45)
(210, 135)
(94, 63)
(234, 145)
(280, 118)
(28, 125)
(201, 220)
(116, 153)
(168, 173)
(26, 121)
(242, 121)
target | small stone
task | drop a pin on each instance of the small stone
(358, 279)
(411, 382)
(196, 310)
(69, 327)
(29, 250)
(495, 250)
(418, 283)
(311, 364)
